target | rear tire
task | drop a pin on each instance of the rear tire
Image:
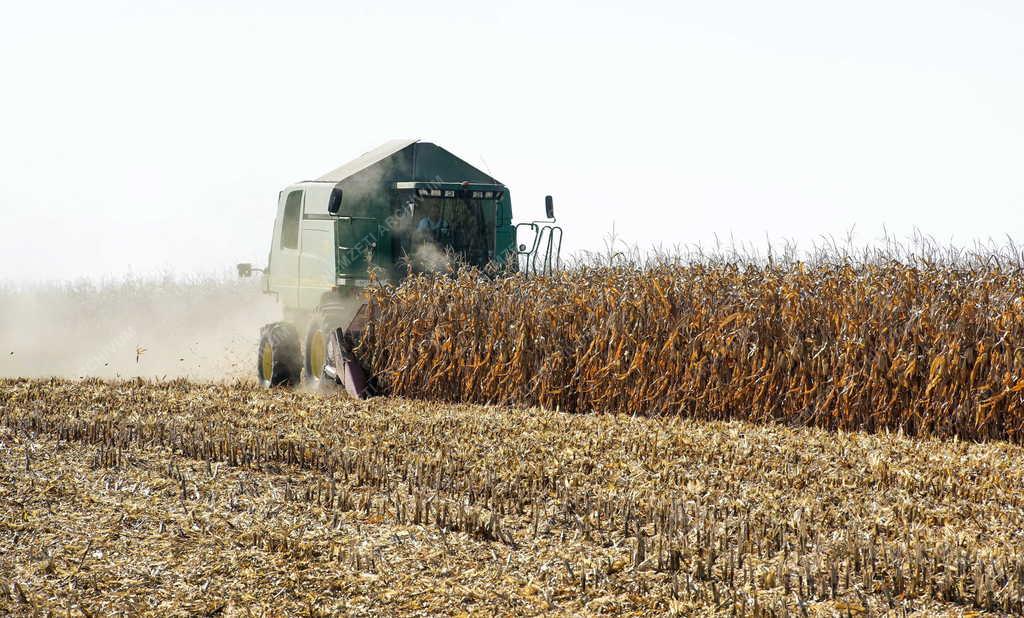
(279, 360)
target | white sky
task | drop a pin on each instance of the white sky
(139, 139)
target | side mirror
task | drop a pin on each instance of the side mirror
(334, 204)
(549, 207)
(244, 270)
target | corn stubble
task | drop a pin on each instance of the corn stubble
(176, 498)
(930, 348)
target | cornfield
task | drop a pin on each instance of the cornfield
(929, 347)
(176, 498)
(180, 498)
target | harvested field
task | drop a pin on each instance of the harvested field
(928, 346)
(175, 498)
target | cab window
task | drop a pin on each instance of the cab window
(290, 224)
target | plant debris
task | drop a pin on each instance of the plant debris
(175, 498)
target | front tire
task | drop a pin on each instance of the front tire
(316, 355)
(279, 360)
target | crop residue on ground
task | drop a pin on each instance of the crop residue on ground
(182, 498)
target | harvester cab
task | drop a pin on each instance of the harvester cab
(405, 207)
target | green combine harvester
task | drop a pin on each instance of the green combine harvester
(405, 207)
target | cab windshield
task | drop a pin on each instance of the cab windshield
(444, 227)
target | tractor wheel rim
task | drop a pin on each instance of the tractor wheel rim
(316, 355)
(267, 362)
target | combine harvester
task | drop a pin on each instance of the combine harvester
(407, 206)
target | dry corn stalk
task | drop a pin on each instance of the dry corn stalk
(930, 348)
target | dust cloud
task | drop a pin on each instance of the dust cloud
(431, 258)
(199, 327)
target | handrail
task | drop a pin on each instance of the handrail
(543, 256)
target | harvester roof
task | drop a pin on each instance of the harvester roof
(367, 160)
(407, 160)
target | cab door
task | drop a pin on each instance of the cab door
(284, 266)
(316, 266)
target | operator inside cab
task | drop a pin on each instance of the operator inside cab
(430, 226)
(430, 239)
